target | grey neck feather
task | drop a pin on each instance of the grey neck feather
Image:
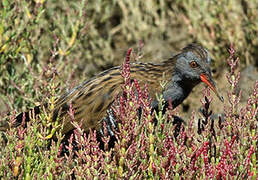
(176, 91)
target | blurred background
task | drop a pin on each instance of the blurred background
(47, 47)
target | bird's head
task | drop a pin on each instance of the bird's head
(193, 67)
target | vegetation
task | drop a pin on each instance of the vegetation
(47, 47)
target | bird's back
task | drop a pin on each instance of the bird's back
(91, 99)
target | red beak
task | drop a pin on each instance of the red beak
(211, 84)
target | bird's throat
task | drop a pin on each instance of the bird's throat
(175, 93)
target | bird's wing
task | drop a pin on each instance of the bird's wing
(90, 100)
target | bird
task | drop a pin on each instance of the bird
(92, 99)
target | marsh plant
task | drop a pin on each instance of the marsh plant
(146, 146)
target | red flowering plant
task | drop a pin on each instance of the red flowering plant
(146, 143)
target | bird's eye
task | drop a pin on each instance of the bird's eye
(193, 64)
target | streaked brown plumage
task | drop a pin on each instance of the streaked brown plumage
(93, 98)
